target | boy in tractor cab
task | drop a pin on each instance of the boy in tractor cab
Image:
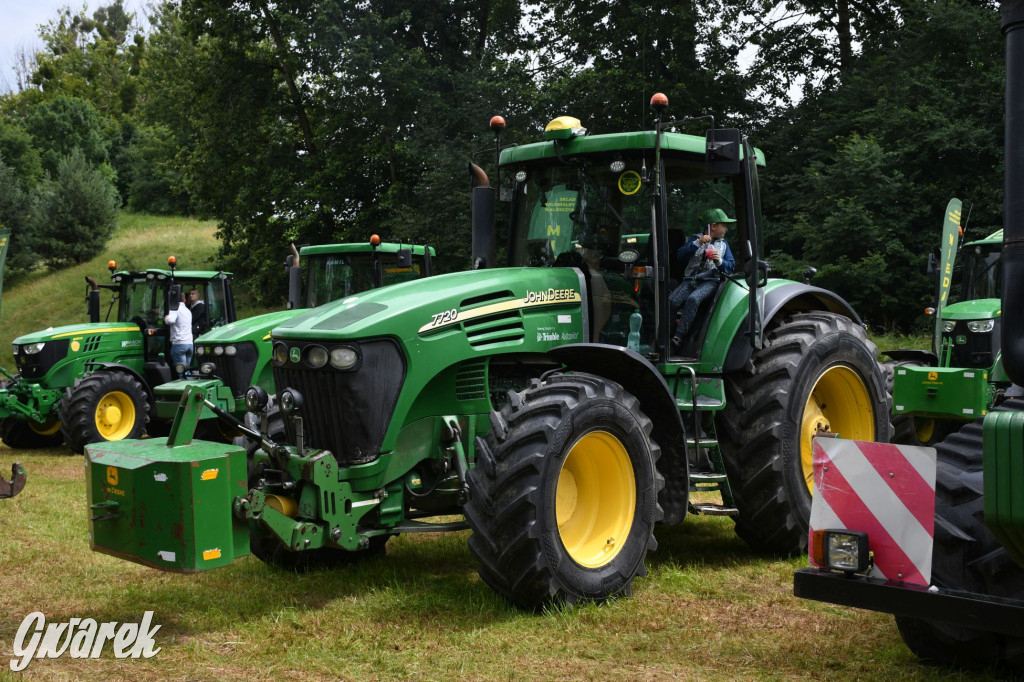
(706, 256)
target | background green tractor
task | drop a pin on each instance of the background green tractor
(233, 357)
(90, 382)
(538, 404)
(935, 393)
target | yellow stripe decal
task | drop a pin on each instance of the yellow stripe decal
(91, 332)
(530, 302)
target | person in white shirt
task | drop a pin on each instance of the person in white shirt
(180, 323)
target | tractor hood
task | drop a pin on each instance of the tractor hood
(445, 303)
(978, 309)
(73, 330)
(250, 329)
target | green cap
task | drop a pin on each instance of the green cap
(715, 215)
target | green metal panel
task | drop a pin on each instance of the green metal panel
(169, 508)
(384, 247)
(1003, 438)
(591, 144)
(978, 309)
(950, 392)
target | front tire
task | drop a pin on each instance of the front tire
(564, 493)
(815, 370)
(22, 434)
(966, 556)
(104, 406)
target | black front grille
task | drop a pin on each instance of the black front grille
(236, 370)
(980, 348)
(346, 412)
(36, 366)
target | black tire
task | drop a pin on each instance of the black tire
(22, 434)
(586, 438)
(104, 406)
(815, 368)
(966, 556)
(911, 430)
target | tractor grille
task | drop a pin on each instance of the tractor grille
(980, 349)
(236, 371)
(503, 327)
(346, 412)
(471, 380)
(37, 365)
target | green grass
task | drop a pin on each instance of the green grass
(53, 299)
(709, 609)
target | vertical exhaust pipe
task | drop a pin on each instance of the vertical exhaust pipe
(92, 300)
(1013, 190)
(482, 210)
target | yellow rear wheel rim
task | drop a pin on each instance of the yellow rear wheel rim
(840, 403)
(115, 415)
(596, 499)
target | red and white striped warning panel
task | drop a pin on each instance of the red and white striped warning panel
(887, 491)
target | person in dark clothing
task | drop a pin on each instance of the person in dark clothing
(200, 317)
(706, 256)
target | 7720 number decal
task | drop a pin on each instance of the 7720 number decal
(444, 318)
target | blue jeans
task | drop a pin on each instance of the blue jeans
(181, 353)
(689, 295)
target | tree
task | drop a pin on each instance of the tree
(74, 213)
(63, 124)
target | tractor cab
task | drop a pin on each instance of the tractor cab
(336, 271)
(617, 208)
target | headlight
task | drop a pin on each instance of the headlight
(32, 348)
(230, 351)
(316, 356)
(218, 350)
(280, 353)
(256, 399)
(291, 401)
(200, 350)
(841, 550)
(207, 368)
(180, 368)
(14, 348)
(343, 357)
(948, 326)
(981, 326)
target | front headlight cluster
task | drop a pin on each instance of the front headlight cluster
(948, 326)
(981, 326)
(29, 348)
(228, 350)
(316, 356)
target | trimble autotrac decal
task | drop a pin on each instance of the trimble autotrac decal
(530, 299)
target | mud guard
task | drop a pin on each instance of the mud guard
(635, 374)
(791, 297)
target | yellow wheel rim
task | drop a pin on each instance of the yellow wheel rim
(47, 428)
(115, 415)
(595, 499)
(840, 403)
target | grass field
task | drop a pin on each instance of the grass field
(709, 609)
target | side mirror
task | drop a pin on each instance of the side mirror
(405, 258)
(722, 152)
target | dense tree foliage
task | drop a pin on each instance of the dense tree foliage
(325, 120)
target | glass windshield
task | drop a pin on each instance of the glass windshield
(982, 272)
(335, 276)
(597, 213)
(145, 298)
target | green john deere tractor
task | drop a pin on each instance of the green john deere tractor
(540, 404)
(935, 393)
(233, 357)
(91, 382)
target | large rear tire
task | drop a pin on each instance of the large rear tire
(564, 493)
(966, 556)
(104, 406)
(816, 370)
(22, 434)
